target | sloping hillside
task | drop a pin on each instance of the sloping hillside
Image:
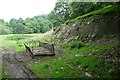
(95, 25)
(90, 46)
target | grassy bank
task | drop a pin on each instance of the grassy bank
(80, 61)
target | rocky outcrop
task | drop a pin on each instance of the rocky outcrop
(90, 28)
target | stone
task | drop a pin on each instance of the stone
(87, 74)
(93, 35)
(88, 22)
(79, 55)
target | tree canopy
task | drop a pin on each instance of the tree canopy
(63, 11)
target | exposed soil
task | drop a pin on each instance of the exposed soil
(15, 67)
(15, 63)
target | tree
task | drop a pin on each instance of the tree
(20, 28)
(44, 23)
(60, 13)
(12, 24)
(4, 29)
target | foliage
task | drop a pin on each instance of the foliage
(37, 24)
(65, 11)
(97, 12)
(59, 14)
(4, 29)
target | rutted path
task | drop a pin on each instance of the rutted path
(15, 63)
(16, 68)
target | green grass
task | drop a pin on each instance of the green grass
(17, 41)
(73, 45)
(10, 41)
(75, 62)
(17, 37)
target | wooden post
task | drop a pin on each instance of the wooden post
(29, 50)
(53, 49)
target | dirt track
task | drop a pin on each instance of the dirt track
(15, 67)
(15, 63)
